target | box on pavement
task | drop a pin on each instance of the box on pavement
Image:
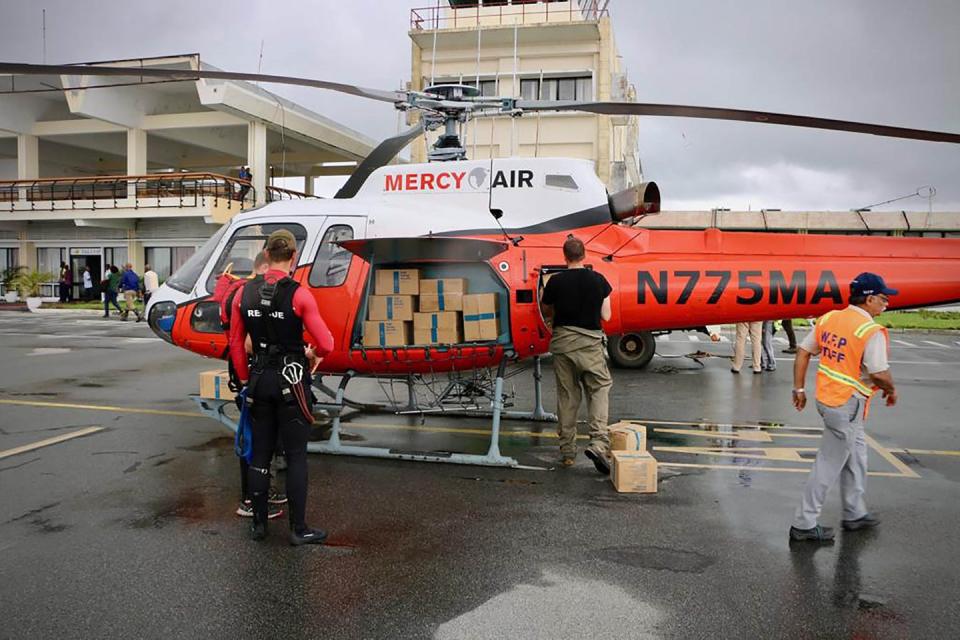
(390, 308)
(481, 316)
(404, 282)
(634, 472)
(215, 385)
(628, 436)
(438, 327)
(386, 333)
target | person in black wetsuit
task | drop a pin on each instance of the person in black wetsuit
(274, 310)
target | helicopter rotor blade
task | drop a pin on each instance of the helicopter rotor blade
(380, 156)
(742, 115)
(192, 74)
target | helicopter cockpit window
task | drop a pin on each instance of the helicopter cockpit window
(246, 243)
(184, 278)
(333, 261)
(561, 181)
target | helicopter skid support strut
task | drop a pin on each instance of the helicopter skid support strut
(493, 458)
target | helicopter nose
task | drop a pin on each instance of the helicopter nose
(161, 315)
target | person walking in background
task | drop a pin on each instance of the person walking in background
(111, 285)
(87, 284)
(791, 336)
(151, 282)
(768, 359)
(244, 174)
(853, 366)
(130, 286)
(755, 330)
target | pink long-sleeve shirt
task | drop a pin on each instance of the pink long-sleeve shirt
(305, 308)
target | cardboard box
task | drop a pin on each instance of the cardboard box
(405, 282)
(628, 436)
(388, 333)
(390, 308)
(215, 385)
(634, 472)
(443, 285)
(440, 302)
(441, 327)
(481, 316)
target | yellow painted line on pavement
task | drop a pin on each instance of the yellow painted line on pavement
(49, 441)
(889, 457)
(100, 407)
(926, 452)
(731, 467)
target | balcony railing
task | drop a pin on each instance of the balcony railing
(493, 13)
(166, 190)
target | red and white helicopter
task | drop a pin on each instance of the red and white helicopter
(501, 224)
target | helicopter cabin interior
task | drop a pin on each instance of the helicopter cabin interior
(431, 293)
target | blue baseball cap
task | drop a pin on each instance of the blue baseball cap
(870, 284)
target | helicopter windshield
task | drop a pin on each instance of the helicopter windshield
(186, 276)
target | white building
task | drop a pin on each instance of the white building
(108, 170)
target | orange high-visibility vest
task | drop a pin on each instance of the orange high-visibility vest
(842, 336)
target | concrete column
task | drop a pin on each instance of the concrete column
(28, 161)
(135, 252)
(28, 252)
(136, 157)
(257, 158)
(308, 185)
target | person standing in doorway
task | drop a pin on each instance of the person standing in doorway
(151, 282)
(755, 330)
(111, 285)
(577, 300)
(853, 366)
(130, 286)
(87, 284)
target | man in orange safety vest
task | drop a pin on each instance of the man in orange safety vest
(853, 366)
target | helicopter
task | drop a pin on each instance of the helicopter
(500, 224)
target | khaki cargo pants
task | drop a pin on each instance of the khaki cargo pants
(584, 365)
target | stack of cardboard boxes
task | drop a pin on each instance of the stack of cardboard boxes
(445, 313)
(634, 470)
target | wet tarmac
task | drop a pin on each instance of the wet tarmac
(128, 530)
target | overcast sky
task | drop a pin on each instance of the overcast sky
(882, 61)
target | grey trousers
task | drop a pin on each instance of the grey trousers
(843, 453)
(768, 358)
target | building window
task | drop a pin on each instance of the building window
(333, 261)
(9, 258)
(166, 260)
(567, 88)
(49, 259)
(115, 256)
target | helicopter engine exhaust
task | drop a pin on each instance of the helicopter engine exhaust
(642, 199)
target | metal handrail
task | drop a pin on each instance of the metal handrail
(466, 16)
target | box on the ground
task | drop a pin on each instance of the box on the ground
(390, 308)
(215, 385)
(404, 282)
(634, 472)
(439, 327)
(628, 436)
(386, 333)
(481, 316)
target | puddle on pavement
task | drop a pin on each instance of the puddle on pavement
(657, 558)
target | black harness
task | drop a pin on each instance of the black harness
(276, 333)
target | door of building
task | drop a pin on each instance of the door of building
(77, 263)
